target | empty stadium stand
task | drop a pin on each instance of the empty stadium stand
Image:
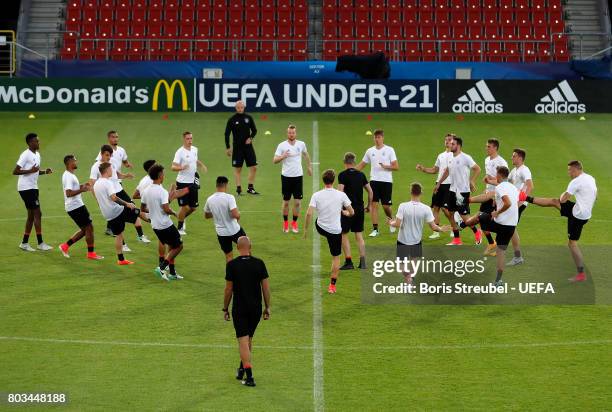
(252, 30)
(186, 30)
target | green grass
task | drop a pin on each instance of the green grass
(376, 357)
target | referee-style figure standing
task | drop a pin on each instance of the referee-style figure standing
(246, 280)
(242, 127)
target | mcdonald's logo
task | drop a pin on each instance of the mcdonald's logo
(170, 94)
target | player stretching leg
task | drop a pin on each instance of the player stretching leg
(583, 188)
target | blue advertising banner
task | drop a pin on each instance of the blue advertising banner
(318, 96)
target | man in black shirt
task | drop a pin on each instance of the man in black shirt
(242, 127)
(352, 182)
(246, 280)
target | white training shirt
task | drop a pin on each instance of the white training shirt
(413, 215)
(584, 189)
(71, 182)
(220, 205)
(519, 176)
(186, 157)
(460, 170)
(442, 162)
(155, 196)
(117, 158)
(144, 183)
(329, 203)
(510, 216)
(28, 160)
(292, 165)
(103, 189)
(491, 166)
(94, 173)
(374, 157)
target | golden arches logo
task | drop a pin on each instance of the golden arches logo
(170, 94)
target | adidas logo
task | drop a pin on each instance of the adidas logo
(478, 99)
(561, 99)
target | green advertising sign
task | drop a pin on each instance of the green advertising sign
(138, 95)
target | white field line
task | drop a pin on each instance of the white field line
(317, 310)
(370, 348)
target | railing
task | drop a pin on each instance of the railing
(578, 39)
(27, 62)
(237, 49)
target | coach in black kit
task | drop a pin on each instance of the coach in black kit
(242, 127)
(246, 281)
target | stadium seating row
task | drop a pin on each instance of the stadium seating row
(406, 29)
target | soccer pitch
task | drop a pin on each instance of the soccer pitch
(117, 338)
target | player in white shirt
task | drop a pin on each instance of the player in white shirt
(158, 201)
(222, 208)
(502, 220)
(187, 164)
(492, 162)
(520, 177)
(330, 205)
(118, 159)
(28, 169)
(94, 174)
(578, 213)
(438, 198)
(114, 209)
(76, 209)
(409, 219)
(383, 162)
(290, 153)
(144, 183)
(463, 171)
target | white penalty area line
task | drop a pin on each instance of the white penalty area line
(371, 348)
(317, 310)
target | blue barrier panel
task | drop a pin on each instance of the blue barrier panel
(320, 70)
(318, 96)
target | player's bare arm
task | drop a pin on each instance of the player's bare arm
(506, 206)
(393, 166)
(428, 170)
(368, 189)
(475, 172)
(308, 163)
(227, 298)
(278, 159)
(166, 208)
(309, 213)
(235, 213)
(265, 291)
(19, 171)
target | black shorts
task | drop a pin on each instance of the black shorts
(504, 232)
(292, 186)
(438, 199)
(124, 196)
(80, 216)
(245, 322)
(334, 241)
(521, 210)
(452, 206)
(574, 225)
(409, 251)
(488, 206)
(117, 225)
(30, 198)
(383, 192)
(354, 223)
(226, 241)
(243, 154)
(191, 198)
(169, 236)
